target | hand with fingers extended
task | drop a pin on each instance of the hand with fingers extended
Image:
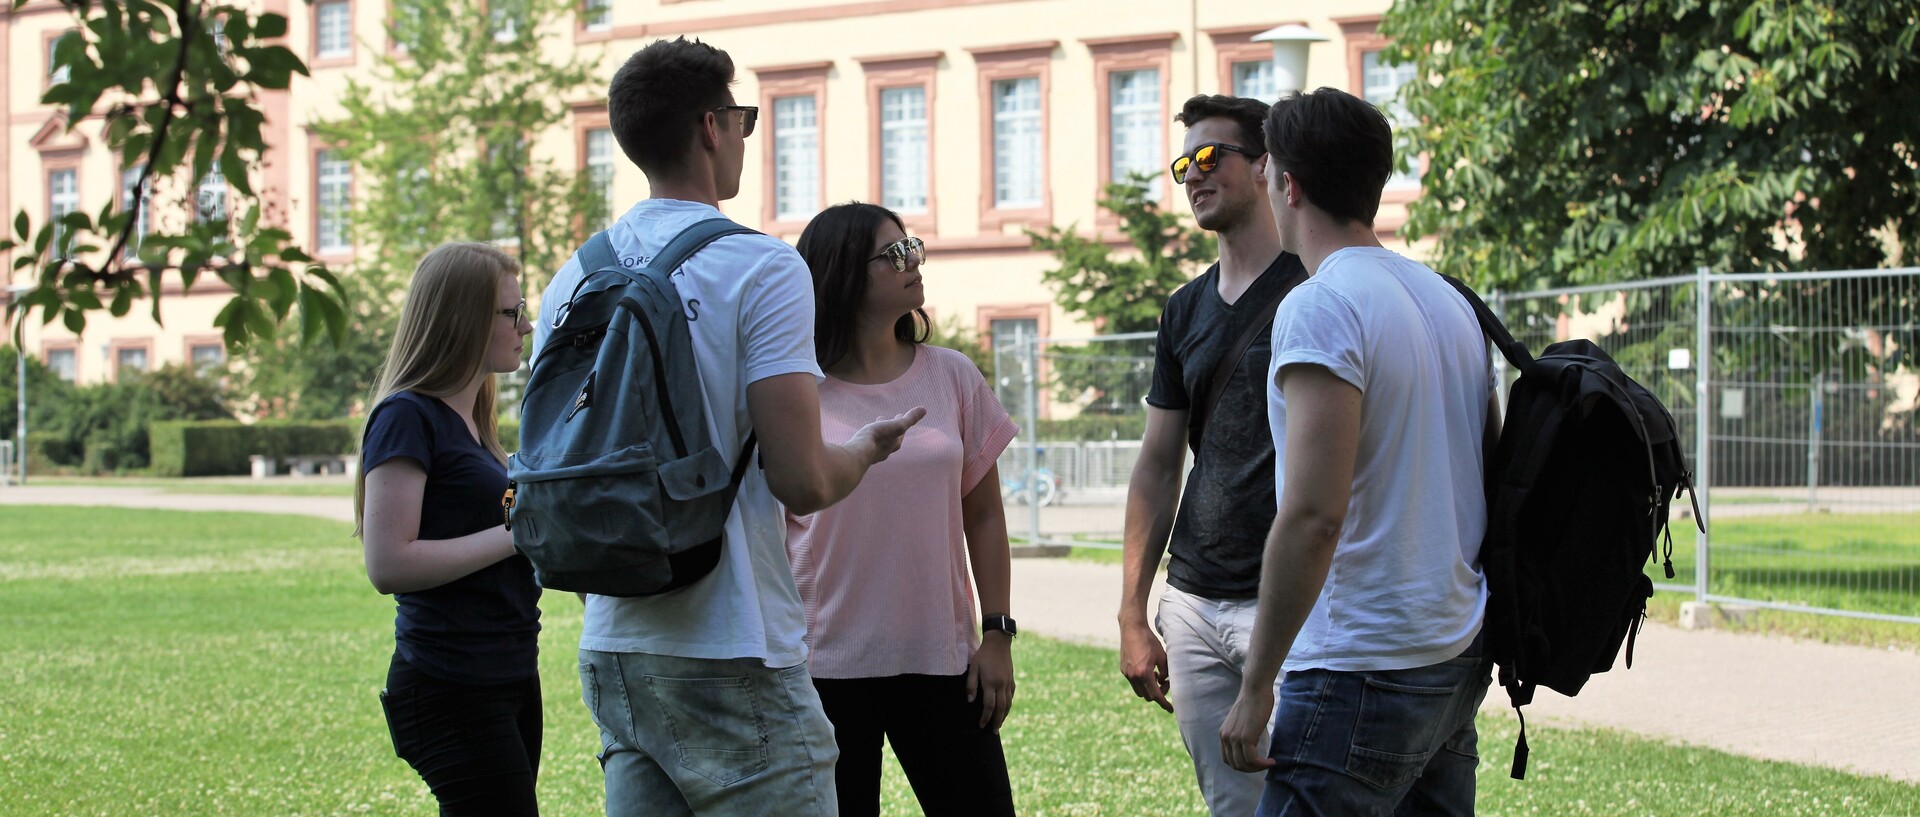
(990, 679)
(879, 439)
(1245, 725)
(1144, 661)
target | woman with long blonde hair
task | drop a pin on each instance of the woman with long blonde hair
(462, 698)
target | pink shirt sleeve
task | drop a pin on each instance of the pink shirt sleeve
(985, 427)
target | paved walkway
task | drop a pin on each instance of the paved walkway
(1844, 707)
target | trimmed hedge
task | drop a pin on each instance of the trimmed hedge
(222, 447)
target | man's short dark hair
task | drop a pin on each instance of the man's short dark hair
(659, 96)
(1249, 114)
(1338, 147)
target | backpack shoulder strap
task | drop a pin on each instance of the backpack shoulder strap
(1230, 363)
(691, 240)
(597, 254)
(1496, 332)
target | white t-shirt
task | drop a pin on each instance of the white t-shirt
(749, 301)
(1405, 588)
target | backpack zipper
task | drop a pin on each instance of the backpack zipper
(584, 400)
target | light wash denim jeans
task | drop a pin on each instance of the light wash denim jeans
(686, 736)
(1391, 743)
(1206, 642)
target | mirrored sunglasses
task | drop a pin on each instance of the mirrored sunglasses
(899, 251)
(1205, 158)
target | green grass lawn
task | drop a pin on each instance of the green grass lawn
(161, 662)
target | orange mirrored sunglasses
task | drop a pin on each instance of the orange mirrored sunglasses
(1205, 158)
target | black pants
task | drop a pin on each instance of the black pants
(476, 745)
(954, 766)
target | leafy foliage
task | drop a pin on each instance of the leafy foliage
(444, 136)
(104, 428)
(1579, 143)
(1124, 293)
(177, 102)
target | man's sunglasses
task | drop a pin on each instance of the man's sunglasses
(899, 251)
(1205, 158)
(751, 115)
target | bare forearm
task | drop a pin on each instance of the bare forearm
(422, 564)
(1151, 497)
(1298, 554)
(992, 560)
(810, 489)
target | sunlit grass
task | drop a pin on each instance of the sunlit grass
(158, 662)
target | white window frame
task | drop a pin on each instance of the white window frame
(212, 189)
(796, 157)
(71, 370)
(597, 15)
(130, 187)
(1134, 125)
(61, 200)
(1254, 79)
(333, 29)
(599, 163)
(1017, 170)
(1380, 85)
(57, 74)
(903, 149)
(333, 175)
(120, 354)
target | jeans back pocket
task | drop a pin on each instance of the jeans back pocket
(718, 728)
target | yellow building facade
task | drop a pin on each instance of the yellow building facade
(973, 118)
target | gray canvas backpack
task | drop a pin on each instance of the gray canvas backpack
(617, 488)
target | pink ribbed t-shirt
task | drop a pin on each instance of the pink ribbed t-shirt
(883, 573)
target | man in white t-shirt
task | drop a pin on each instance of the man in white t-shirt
(1371, 591)
(701, 694)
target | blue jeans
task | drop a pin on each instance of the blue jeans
(685, 736)
(1392, 743)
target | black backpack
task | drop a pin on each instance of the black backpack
(617, 488)
(1578, 492)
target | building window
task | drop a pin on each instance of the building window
(596, 15)
(333, 29)
(205, 357)
(1254, 80)
(600, 164)
(129, 359)
(1133, 99)
(903, 149)
(1016, 143)
(136, 197)
(63, 363)
(57, 74)
(219, 32)
(63, 197)
(335, 183)
(506, 18)
(796, 158)
(1380, 85)
(210, 200)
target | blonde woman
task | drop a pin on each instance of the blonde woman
(462, 698)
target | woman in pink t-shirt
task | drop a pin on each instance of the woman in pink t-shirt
(883, 574)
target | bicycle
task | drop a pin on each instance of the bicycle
(1040, 483)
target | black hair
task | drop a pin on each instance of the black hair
(1338, 147)
(1249, 114)
(659, 96)
(837, 245)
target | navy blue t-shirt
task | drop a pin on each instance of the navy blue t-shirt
(482, 627)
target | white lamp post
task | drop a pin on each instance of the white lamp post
(1290, 43)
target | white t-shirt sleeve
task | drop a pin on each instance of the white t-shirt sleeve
(776, 321)
(1316, 325)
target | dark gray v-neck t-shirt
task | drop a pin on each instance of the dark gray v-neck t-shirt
(1228, 504)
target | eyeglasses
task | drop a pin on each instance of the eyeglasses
(899, 251)
(515, 311)
(1205, 158)
(752, 115)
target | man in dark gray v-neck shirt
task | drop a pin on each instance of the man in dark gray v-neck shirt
(1216, 538)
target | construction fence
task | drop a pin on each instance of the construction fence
(1797, 396)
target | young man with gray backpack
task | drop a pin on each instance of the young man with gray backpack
(673, 354)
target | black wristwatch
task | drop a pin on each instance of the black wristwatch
(1001, 622)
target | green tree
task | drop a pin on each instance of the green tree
(1119, 293)
(176, 84)
(1580, 143)
(445, 134)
